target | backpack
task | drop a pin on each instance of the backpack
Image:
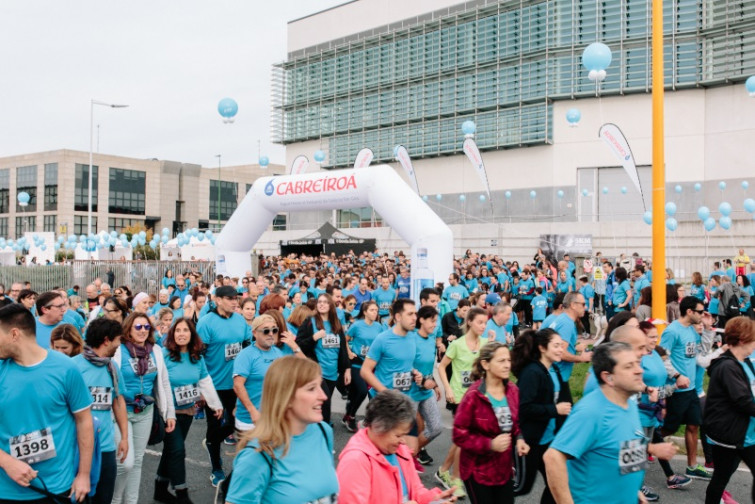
(731, 307)
(225, 485)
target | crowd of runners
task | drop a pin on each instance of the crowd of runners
(90, 377)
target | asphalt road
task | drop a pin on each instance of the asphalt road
(201, 492)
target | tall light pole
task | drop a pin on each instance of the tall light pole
(91, 149)
(219, 157)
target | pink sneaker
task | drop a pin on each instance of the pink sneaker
(418, 466)
(726, 498)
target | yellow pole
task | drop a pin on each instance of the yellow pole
(659, 170)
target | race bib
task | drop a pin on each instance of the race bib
(385, 306)
(689, 350)
(403, 289)
(102, 398)
(33, 447)
(330, 499)
(402, 381)
(151, 367)
(752, 387)
(363, 351)
(331, 341)
(456, 296)
(232, 350)
(505, 422)
(186, 394)
(633, 456)
(466, 378)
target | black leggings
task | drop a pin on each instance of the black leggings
(328, 386)
(218, 430)
(106, 485)
(357, 391)
(726, 460)
(487, 494)
(531, 465)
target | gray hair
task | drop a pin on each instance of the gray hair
(570, 298)
(604, 358)
(388, 410)
(499, 307)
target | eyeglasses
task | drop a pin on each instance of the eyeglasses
(577, 302)
(269, 330)
(699, 312)
(144, 327)
(58, 306)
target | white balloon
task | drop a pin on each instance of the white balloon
(601, 75)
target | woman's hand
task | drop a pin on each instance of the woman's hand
(522, 448)
(450, 397)
(563, 408)
(347, 377)
(289, 340)
(501, 442)
(170, 425)
(319, 335)
(219, 413)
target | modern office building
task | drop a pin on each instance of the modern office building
(125, 192)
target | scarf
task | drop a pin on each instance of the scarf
(142, 354)
(96, 360)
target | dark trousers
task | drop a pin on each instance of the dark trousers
(707, 447)
(726, 460)
(61, 499)
(533, 463)
(525, 306)
(328, 386)
(665, 466)
(218, 430)
(485, 494)
(357, 392)
(106, 485)
(173, 460)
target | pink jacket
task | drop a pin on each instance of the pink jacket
(366, 477)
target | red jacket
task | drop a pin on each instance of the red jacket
(475, 426)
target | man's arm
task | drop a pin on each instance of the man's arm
(243, 396)
(558, 476)
(368, 375)
(121, 418)
(85, 438)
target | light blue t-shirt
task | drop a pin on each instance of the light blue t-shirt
(526, 289)
(224, 338)
(654, 375)
(43, 333)
(639, 284)
(513, 321)
(362, 335)
(394, 356)
(620, 295)
(567, 329)
(404, 287)
(750, 435)
(252, 364)
(306, 474)
(499, 331)
(698, 291)
(384, 300)
(550, 429)
(327, 350)
(100, 385)
(393, 460)
(184, 378)
(681, 344)
(58, 391)
(424, 362)
(539, 307)
(606, 444)
(72, 317)
(453, 294)
(133, 384)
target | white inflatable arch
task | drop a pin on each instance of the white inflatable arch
(377, 186)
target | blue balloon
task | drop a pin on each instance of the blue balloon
(725, 209)
(533, 194)
(678, 189)
(648, 217)
(424, 198)
(124, 243)
(605, 189)
(709, 224)
(698, 186)
(585, 192)
(164, 240)
(468, 127)
(507, 194)
(142, 234)
(560, 193)
(750, 205)
(703, 212)
(573, 116)
(43, 247)
(462, 197)
(671, 224)
(165, 231)
(56, 246)
(264, 161)
(623, 189)
(745, 185)
(83, 238)
(23, 197)
(671, 209)
(750, 85)
(319, 156)
(725, 222)
(596, 56)
(227, 107)
(438, 197)
(722, 185)
(482, 197)
(208, 233)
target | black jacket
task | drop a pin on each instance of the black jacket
(729, 403)
(305, 340)
(536, 406)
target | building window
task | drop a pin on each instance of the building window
(118, 225)
(5, 193)
(81, 196)
(80, 224)
(25, 224)
(228, 199)
(26, 181)
(51, 187)
(358, 217)
(279, 223)
(127, 191)
(50, 223)
(248, 187)
(3, 226)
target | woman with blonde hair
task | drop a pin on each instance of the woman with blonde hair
(66, 339)
(288, 456)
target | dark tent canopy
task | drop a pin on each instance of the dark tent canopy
(327, 240)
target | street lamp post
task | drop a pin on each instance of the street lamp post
(219, 157)
(91, 149)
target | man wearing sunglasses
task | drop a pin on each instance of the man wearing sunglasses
(224, 332)
(682, 342)
(51, 308)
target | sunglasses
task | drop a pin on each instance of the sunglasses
(140, 327)
(268, 330)
(699, 312)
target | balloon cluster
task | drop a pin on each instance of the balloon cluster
(184, 238)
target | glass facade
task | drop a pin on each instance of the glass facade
(26, 181)
(118, 225)
(4, 193)
(25, 224)
(127, 191)
(500, 65)
(228, 199)
(80, 224)
(51, 187)
(81, 196)
(50, 223)
(3, 226)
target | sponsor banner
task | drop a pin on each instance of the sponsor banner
(473, 153)
(554, 246)
(617, 142)
(300, 165)
(402, 156)
(364, 158)
(324, 189)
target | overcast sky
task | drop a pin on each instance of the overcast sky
(170, 61)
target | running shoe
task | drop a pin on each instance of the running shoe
(677, 481)
(459, 492)
(199, 414)
(217, 478)
(709, 467)
(424, 458)
(650, 496)
(726, 498)
(350, 423)
(230, 440)
(418, 466)
(444, 478)
(697, 472)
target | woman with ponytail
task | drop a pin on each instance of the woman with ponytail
(544, 401)
(486, 428)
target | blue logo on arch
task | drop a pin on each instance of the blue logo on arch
(269, 188)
